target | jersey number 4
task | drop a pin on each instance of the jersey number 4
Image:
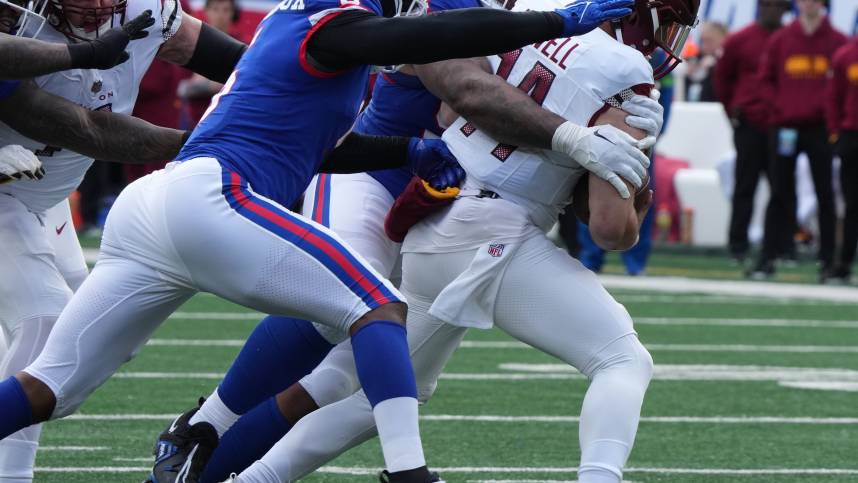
(536, 83)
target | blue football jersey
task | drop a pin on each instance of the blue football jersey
(401, 106)
(7, 87)
(278, 116)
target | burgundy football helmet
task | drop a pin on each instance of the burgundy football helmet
(86, 20)
(663, 24)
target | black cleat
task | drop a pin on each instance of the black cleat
(420, 475)
(182, 451)
(763, 270)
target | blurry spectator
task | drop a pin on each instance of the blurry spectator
(699, 67)
(736, 82)
(842, 110)
(793, 75)
(196, 92)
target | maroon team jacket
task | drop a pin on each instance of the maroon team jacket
(794, 72)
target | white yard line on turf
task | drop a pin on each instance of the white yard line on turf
(675, 471)
(530, 419)
(738, 322)
(627, 297)
(358, 471)
(73, 448)
(476, 344)
(739, 288)
(805, 323)
(662, 372)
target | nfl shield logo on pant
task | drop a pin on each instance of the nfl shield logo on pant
(496, 249)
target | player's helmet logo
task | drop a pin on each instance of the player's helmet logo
(85, 19)
(24, 18)
(663, 24)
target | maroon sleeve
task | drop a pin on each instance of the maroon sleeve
(770, 68)
(726, 73)
(835, 93)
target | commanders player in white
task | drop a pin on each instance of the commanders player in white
(486, 259)
(42, 260)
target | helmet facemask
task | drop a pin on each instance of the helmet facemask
(664, 24)
(24, 18)
(95, 20)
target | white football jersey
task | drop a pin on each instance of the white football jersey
(111, 90)
(575, 78)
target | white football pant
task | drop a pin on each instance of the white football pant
(546, 299)
(190, 227)
(42, 264)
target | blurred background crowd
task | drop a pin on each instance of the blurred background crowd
(758, 163)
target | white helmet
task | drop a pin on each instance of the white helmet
(31, 16)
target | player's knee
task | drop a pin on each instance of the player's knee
(41, 397)
(393, 312)
(625, 354)
(327, 385)
(425, 391)
(295, 403)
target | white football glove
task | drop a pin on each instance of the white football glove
(17, 162)
(606, 152)
(646, 114)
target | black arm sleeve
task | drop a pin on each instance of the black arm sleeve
(215, 54)
(360, 152)
(360, 38)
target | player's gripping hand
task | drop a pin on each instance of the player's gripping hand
(646, 114)
(433, 162)
(605, 151)
(582, 16)
(108, 50)
(17, 162)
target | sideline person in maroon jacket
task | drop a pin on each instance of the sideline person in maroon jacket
(737, 85)
(793, 73)
(842, 112)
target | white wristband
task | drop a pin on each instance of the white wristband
(566, 137)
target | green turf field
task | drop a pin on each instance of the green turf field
(728, 402)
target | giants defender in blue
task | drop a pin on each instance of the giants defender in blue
(215, 220)
(400, 106)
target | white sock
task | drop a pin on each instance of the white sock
(399, 433)
(321, 436)
(215, 412)
(17, 456)
(258, 472)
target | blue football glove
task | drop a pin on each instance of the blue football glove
(583, 16)
(434, 163)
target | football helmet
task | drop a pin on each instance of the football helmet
(663, 24)
(22, 17)
(85, 19)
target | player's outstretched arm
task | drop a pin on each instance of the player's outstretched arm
(496, 107)
(361, 38)
(202, 49)
(104, 135)
(22, 58)
(510, 116)
(427, 158)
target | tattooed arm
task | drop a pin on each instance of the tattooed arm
(104, 135)
(503, 111)
(22, 58)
